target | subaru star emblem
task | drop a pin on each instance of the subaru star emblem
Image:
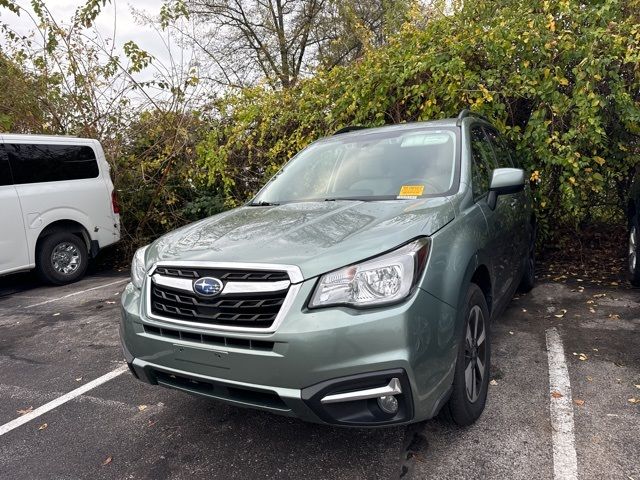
(207, 286)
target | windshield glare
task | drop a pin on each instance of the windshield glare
(382, 166)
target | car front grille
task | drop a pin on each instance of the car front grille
(224, 275)
(172, 297)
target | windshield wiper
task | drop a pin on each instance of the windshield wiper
(263, 204)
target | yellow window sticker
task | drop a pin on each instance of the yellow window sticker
(411, 191)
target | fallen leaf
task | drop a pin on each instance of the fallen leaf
(556, 394)
(633, 400)
(589, 379)
(43, 426)
(582, 357)
(595, 349)
(561, 314)
(592, 310)
(142, 408)
(56, 314)
(493, 382)
(110, 302)
(524, 310)
(79, 379)
(107, 461)
(26, 410)
(637, 386)
(578, 402)
(510, 333)
(614, 316)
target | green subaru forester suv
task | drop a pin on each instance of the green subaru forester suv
(357, 288)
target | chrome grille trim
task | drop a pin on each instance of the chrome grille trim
(295, 276)
(229, 289)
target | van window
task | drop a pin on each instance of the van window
(35, 163)
(5, 171)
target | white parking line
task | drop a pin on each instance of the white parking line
(77, 293)
(7, 427)
(565, 463)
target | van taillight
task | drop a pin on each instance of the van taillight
(114, 202)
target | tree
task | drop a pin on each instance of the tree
(243, 42)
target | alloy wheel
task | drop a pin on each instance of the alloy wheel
(475, 353)
(65, 258)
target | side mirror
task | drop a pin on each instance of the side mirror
(503, 182)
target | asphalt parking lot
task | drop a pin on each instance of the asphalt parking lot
(56, 340)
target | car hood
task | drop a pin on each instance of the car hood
(316, 236)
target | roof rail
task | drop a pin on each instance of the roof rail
(468, 113)
(351, 128)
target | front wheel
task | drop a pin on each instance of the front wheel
(62, 258)
(634, 252)
(471, 377)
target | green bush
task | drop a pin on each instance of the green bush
(159, 181)
(559, 78)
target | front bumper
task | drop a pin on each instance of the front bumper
(311, 355)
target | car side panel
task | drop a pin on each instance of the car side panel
(463, 241)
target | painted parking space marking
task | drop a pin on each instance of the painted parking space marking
(77, 293)
(565, 463)
(7, 427)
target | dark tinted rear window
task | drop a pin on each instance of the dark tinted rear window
(34, 163)
(5, 172)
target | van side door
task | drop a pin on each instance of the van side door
(14, 252)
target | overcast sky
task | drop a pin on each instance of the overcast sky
(118, 11)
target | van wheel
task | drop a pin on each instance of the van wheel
(61, 258)
(471, 375)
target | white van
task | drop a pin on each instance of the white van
(58, 207)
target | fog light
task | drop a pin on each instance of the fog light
(388, 404)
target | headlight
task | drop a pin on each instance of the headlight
(138, 269)
(385, 279)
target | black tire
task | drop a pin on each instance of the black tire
(528, 279)
(634, 252)
(461, 408)
(50, 270)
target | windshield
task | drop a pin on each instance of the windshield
(380, 166)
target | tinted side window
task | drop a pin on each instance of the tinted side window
(503, 155)
(5, 171)
(483, 162)
(50, 163)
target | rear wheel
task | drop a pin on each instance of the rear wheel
(62, 258)
(634, 253)
(471, 377)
